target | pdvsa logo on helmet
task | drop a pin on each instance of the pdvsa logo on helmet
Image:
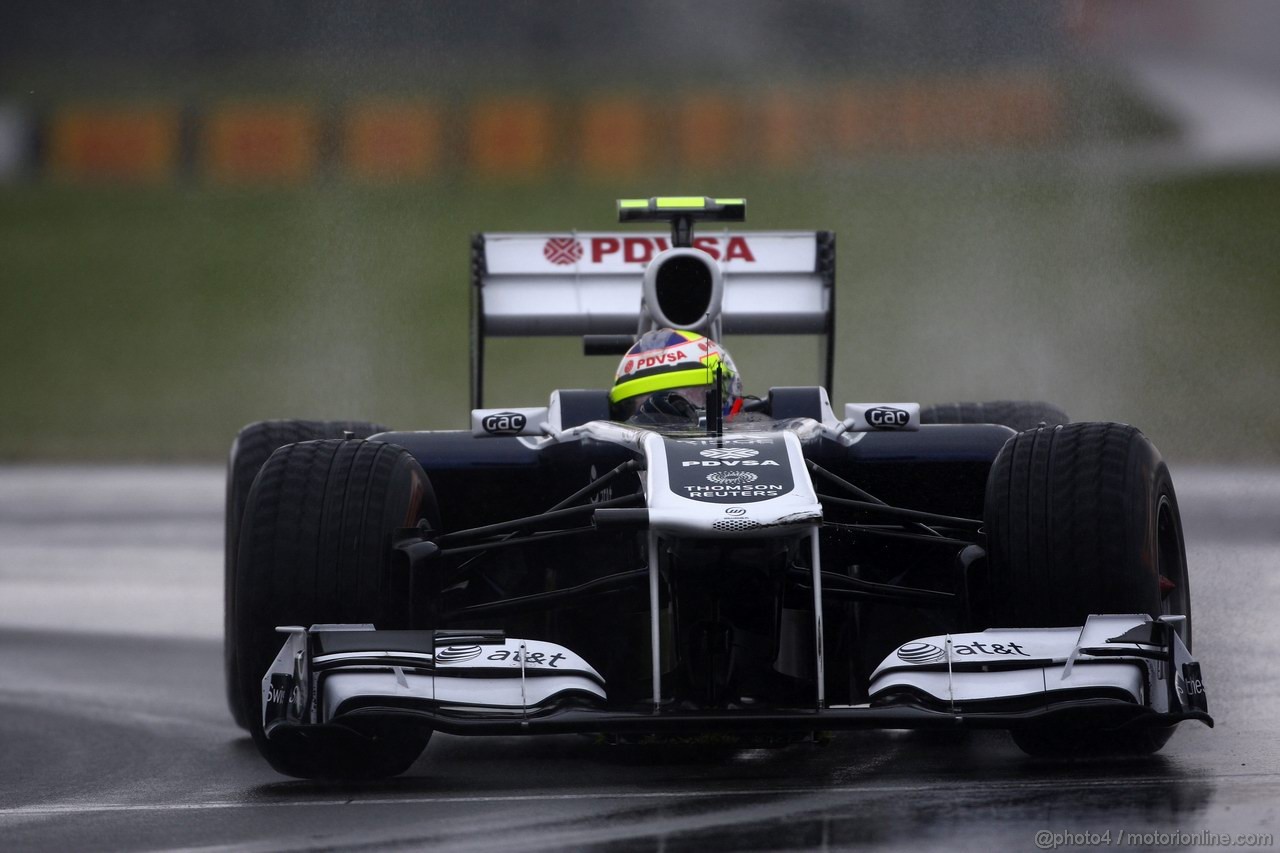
(562, 251)
(644, 362)
(887, 417)
(504, 423)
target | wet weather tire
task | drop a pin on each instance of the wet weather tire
(1016, 414)
(1083, 519)
(315, 547)
(251, 449)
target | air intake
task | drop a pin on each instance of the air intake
(683, 289)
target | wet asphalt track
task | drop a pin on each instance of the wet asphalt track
(114, 735)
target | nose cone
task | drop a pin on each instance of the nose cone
(742, 484)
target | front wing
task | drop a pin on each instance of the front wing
(1114, 672)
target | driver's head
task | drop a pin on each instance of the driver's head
(666, 369)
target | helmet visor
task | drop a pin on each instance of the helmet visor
(696, 396)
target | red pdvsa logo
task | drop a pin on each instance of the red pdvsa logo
(657, 359)
(562, 251)
(642, 250)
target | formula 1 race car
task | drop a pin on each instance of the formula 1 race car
(769, 567)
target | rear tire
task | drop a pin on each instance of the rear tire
(316, 547)
(1083, 519)
(1015, 414)
(251, 449)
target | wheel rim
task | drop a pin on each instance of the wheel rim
(1175, 596)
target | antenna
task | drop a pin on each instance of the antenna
(715, 405)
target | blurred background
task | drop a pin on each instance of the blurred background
(219, 212)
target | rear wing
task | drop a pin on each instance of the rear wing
(590, 283)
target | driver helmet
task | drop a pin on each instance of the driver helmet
(666, 363)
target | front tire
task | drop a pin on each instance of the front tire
(315, 547)
(249, 452)
(1083, 519)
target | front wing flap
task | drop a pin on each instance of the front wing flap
(1131, 659)
(1115, 671)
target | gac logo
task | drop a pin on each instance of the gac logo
(504, 423)
(885, 417)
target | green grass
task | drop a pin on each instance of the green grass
(151, 324)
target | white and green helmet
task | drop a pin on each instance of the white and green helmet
(667, 361)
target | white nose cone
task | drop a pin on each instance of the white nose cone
(744, 484)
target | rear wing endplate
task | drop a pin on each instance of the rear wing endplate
(590, 283)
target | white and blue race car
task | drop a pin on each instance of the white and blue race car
(792, 569)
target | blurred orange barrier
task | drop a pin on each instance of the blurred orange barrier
(944, 114)
(615, 138)
(780, 129)
(511, 137)
(932, 115)
(612, 137)
(389, 141)
(863, 119)
(1031, 108)
(913, 114)
(925, 115)
(277, 143)
(114, 143)
(706, 135)
(967, 114)
(996, 111)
